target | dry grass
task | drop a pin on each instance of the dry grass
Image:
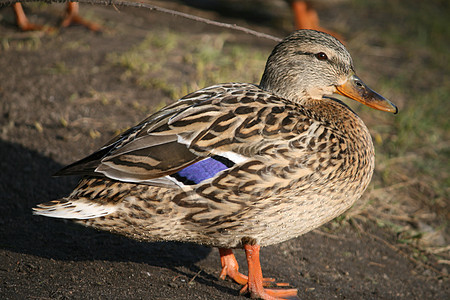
(167, 57)
(410, 191)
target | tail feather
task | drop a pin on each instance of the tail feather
(79, 209)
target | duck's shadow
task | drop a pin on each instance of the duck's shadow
(26, 181)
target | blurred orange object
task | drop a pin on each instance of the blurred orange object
(72, 17)
(306, 17)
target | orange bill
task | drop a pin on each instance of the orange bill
(354, 88)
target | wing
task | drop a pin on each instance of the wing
(193, 139)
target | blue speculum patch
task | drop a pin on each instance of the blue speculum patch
(202, 170)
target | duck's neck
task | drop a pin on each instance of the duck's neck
(291, 89)
(339, 116)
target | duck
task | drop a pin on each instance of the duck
(237, 165)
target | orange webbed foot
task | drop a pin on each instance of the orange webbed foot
(230, 268)
(73, 17)
(24, 24)
(271, 294)
(254, 283)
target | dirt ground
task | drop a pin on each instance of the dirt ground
(43, 258)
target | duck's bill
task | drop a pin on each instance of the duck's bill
(354, 88)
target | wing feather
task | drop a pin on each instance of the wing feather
(204, 123)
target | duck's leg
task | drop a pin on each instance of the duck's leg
(230, 267)
(306, 18)
(255, 283)
(72, 16)
(22, 20)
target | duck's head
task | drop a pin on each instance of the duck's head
(310, 64)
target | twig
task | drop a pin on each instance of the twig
(372, 263)
(195, 276)
(444, 261)
(438, 250)
(115, 3)
(115, 8)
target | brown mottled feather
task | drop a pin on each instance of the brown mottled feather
(301, 158)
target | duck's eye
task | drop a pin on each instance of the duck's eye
(321, 56)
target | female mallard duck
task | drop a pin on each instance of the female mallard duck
(237, 165)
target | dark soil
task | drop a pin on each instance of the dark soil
(43, 258)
